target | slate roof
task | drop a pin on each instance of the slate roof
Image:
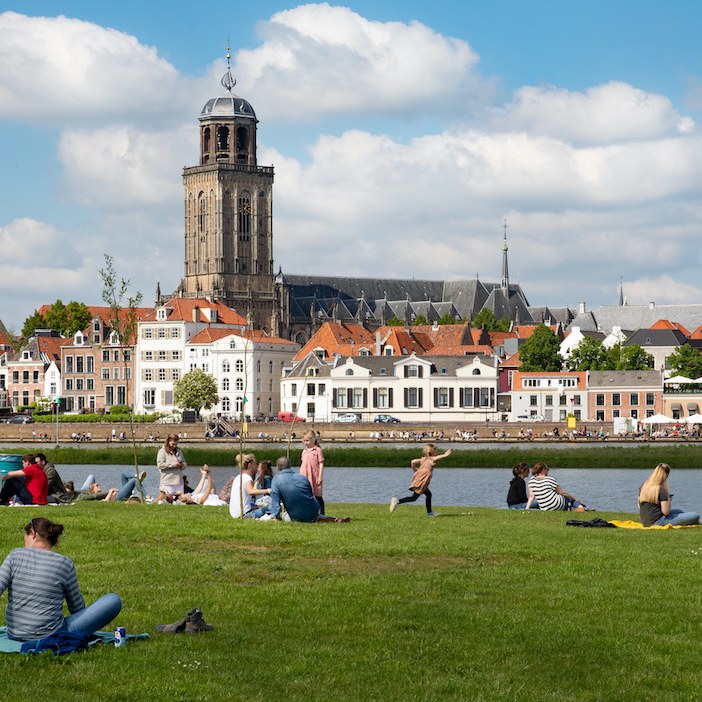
(627, 378)
(635, 317)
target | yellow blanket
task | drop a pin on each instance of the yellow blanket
(630, 524)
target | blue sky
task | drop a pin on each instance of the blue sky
(402, 134)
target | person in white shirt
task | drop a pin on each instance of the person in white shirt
(244, 492)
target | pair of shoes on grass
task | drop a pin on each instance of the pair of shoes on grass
(432, 514)
(192, 624)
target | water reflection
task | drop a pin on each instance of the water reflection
(605, 489)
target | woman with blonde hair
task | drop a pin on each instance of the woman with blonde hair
(241, 501)
(655, 500)
(312, 466)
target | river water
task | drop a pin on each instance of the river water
(605, 489)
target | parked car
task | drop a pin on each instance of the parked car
(349, 417)
(289, 417)
(386, 419)
(20, 419)
(530, 418)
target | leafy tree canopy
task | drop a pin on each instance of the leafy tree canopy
(485, 318)
(420, 320)
(394, 322)
(65, 319)
(633, 357)
(541, 351)
(446, 319)
(590, 354)
(687, 361)
(196, 390)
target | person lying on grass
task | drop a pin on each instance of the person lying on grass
(548, 493)
(295, 492)
(38, 580)
(655, 502)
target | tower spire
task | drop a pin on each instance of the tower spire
(505, 268)
(228, 80)
(621, 292)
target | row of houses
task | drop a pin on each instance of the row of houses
(426, 373)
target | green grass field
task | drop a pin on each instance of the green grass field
(479, 604)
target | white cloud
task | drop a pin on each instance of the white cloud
(120, 167)
(317, 60)
(663, 289)
(61, 69)
(611, 113)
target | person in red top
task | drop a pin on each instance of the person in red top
(28, 485)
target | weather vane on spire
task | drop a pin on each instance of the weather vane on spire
(228, 80)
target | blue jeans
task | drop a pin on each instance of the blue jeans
(521, 505)
(91, 619)
(16, 487)
(677, 517)
(128, 485)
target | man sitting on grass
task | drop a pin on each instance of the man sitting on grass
(295, 492)
(28, 485)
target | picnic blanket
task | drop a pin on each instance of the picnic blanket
(631, 524)
(8, 645)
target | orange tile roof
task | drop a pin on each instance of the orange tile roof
(697, 334)
(344, 339)
(512, 361)
(209, 334)
(183, 311)
(51, 346)
(666, 324)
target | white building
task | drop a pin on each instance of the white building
(161, 345)
(549, 396)
(247, 366)
(411, 388)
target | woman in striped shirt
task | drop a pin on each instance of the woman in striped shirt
(38, 580)
(548, 493)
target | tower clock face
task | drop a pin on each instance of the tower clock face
(245, 208)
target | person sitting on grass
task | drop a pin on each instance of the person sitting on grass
(244, 493)
(517, 497)
(655, 502)
(548, 493)
(38, 580)
(57, 490)
(28, 485)
(295, 492)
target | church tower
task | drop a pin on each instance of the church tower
(505, 268)
(228, 213)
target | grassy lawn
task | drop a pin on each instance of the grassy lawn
(479, 604)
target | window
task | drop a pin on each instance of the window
(634, 399)
(576, 400)
(359, 398)
(115, 356)
(225, 384)
(258, 366)
(79, 384)
(615, 414)
(149, 397)
(175, 332)
(413, 397)
(69, 364)
(381, 398)
(533, 401)
(175, 355)
(175, 374)
(599, 416)
(311, 389)
(600, 400)
(549, 400)
(466, 397)
(69, 383)
(148, 374)
(147, 333)
(162, 374)
(634, 414)
(35, 376)
(340, 398)
(79, 364)
(90, 364)
(161, 331)
(270, 366)
(240, 366)
(616, 400)
(412, 371)
(293, 389)
(226, 366)
(650, 400)
(148, 356)
(226, 404)
(441, 397)
(115, 373)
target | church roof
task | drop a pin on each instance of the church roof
(607, 317)
(229, 106)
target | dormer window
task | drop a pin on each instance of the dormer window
(96, 325)
(364, 352)
(114, 338)
(161, 314)
(349, 371)
(79, 339)
(26, 355)
(388, 351)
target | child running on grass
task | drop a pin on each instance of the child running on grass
(423, 470)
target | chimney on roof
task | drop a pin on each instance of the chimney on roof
(196, 314)
(581, 308)
(651, 305)
(377, 343)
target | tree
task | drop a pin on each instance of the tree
(64, 319)
(446, 319)
(196, 390)
(589, 354)
(394, 322)
(541, 351)
(124, 323)
(485, 318)
(633, 357)
(687, 361)
(420, 321)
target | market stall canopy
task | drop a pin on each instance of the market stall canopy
(694, 419)
(658, 419)
(678, 380)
